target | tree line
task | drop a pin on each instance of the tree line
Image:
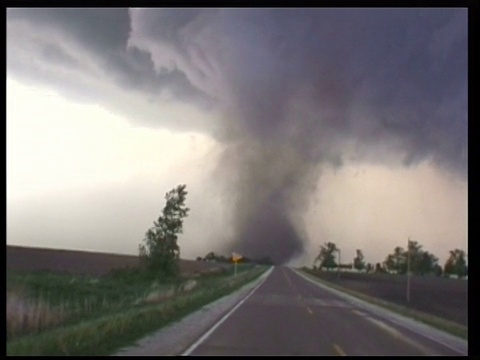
(212, 257)
(414, 259)
(160, 251)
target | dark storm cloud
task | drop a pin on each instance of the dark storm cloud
(314, 68)
(298, 88)
(102, 35)
(57, 55)
(390, 82)
(378, 85)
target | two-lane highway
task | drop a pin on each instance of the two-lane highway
(289, 315)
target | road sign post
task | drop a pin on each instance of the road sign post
(235, 258)
(339, 263)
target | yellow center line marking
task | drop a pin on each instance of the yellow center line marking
(338, 350)
(358, 312)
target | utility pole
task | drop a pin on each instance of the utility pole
(408, 271)
(339, 262)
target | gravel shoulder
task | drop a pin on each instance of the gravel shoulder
(177, 337)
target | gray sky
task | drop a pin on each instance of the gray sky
(290, 127)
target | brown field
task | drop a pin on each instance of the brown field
(446, 298)
(74, 262)
(443, 297)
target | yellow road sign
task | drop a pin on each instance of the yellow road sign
(236, 257)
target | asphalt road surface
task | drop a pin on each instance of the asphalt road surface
(289, 315)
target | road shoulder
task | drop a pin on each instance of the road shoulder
(175, 338)
(448, 340)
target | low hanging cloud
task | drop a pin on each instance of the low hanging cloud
(289, 91)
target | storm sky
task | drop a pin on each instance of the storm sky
(290, 127)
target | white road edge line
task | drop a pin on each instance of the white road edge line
(226, 316)
(398, 335)
(394, 317)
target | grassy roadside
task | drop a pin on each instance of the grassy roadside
(434, 321)
(103, 335)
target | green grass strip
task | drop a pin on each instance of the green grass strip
(107, 334)
(432, 320)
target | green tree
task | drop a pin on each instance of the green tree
(437, 270)
(397, 261)
(456, 263)
(427, 263)
(210, 256)
(421, 262)
(358, 262)
(416, 254)
(160, 249)
(326, 257)
(379, 268)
